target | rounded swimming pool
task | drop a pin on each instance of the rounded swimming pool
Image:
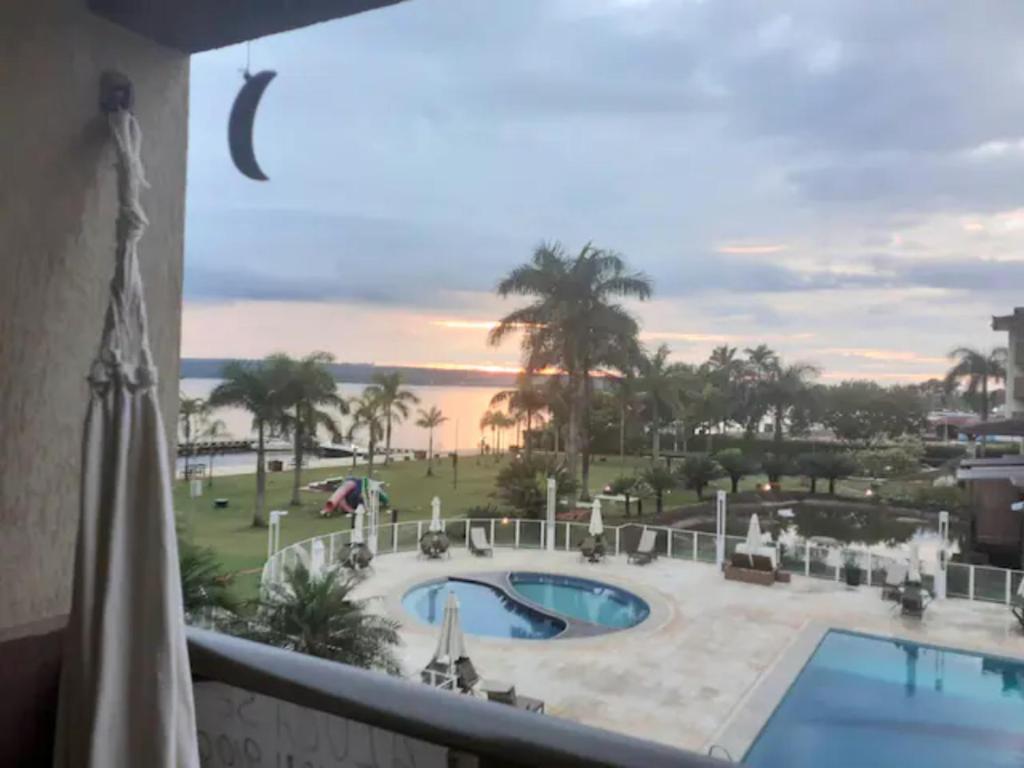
(529, 606)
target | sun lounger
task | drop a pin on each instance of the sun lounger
(503, 693)
(466, 675)
(478, 543)
(439, 675)
(644, 552)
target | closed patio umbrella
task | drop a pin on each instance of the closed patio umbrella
(357, 525)
(126, 689)
(914, 575)
(435, 516)
(596, 523)
(451, 644)
(754, 537)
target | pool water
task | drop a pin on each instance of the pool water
(870, 701)
(483, 610)
(582, 599)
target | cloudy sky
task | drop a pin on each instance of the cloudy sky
(842, 180)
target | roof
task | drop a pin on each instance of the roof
(199, 25)
(1006, 322)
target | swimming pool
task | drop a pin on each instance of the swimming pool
(529, 606)
(582, 599)
(871, 701)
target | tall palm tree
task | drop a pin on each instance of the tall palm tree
(525, 401)
(659, 382)
(626, 398)
(396, 403)
(573, 322)
(430, 420)
(317, 616)
(191, 413)
(502, 422)
(487, 421)
(310, 386)
(976, 368)
(784, 389)
(759, 366)
(257, 388)
(368, 415)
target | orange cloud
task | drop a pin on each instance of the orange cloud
(467, 325)
(885, 355)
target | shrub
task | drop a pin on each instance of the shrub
(776, 466)
(898, 460)
(659, 481)
(698, 471)
(736, 465)
(834, 466)
(625, 485)
(807, 464)
(522, 484)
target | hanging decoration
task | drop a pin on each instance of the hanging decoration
(243, 117)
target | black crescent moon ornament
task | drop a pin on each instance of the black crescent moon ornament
(240, 124)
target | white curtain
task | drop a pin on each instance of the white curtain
(126, 689)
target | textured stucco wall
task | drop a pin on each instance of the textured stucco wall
(57, 211)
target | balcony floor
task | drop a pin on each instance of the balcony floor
(695, 668)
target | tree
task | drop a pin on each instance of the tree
(976, 369)
(191, 413)
(430, 420)
(625, 486)
(785, 388)
(853, 411)
(775, 466)
(699, 471)
(573, 323)
(626, 399)
(490, 421)
(736, 465)
(395, 403)
(368, 414)
(660, 382)
(808, 464)
(316, 615)
(257, 388)
(204, 585)
(525, 401)
(522, 484)
(758, 369)
(833, 465)
(660, 480)
(309, 386)
(212, 429)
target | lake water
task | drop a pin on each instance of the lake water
(462, 405)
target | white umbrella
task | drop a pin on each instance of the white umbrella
(914, 575)
(435, 516)
(596, 523)
(317, 558)
(126, 688)
(357, 528)
(451, 645)
(754, 538)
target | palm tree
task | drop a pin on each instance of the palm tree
(524, 401)
(760, 364)
(660, 383)
(785, 387)
(395, 402)
(310, 385)
(573, 323)
(204, 585)
(191, 412)
(430, 420)
(212, 429)
(368, 414)
(501, 422)
(626, 397)
(316, 615)
(257, 388)
(976, 368)
(487, 421)
(661, 481)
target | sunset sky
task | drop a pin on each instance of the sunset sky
(843, 181)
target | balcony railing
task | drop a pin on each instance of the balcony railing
(261, 706)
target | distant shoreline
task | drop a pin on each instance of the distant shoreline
(363, 373)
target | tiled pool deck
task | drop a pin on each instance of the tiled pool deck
(709, 664)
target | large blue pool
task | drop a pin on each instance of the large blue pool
(530, 606)
(870, 701)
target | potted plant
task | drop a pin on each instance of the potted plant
(851, 569)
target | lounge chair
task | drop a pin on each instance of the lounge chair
(913, 599)
(895, 577)
(478, 543)
(466, 675)
(644, 552)
(439, 675)
(503, 693)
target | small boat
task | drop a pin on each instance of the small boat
(341, 451)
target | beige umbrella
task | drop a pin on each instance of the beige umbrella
(914, 575)
(596, 523)
(754, 537)
(451, 644)
(126, 689)
(357, 527)
(435, 516)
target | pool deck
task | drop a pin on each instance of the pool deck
(709, 664)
